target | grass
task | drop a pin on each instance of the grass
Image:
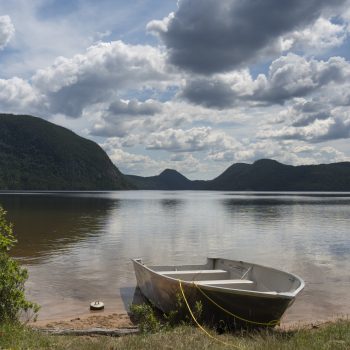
(332, 336)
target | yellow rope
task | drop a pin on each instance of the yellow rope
(270, 323)
(199, 325)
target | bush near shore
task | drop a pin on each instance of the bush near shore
(12, 277)
(334, 335)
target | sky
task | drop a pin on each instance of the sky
(191, 85)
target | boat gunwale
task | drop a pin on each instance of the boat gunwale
(271, 295)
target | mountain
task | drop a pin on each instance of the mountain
(38, 155)
(167, 180)
(262, 175)
(270, 175)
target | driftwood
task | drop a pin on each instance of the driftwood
(119, 332)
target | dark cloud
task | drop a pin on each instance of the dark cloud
(208, 36)
(309, 119)
(211, 93)
(312, 106)
(110, 130)
(309, 111)
(134, 108)
(337, 130)
(72, 99)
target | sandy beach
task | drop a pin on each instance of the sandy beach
(121, 319)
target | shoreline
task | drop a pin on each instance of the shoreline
(121, 320)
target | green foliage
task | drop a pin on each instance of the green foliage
(181, 314)
(146, 318)
(151, 320)
(12, 277)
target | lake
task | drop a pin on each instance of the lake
(77, 245)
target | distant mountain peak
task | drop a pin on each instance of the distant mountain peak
(266, 161)
(169, 171)
(172, 173)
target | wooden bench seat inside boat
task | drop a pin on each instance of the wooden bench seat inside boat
(196, 275)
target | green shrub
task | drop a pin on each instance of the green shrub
(146, 318)
(12, 277)
(181, 314)
(151, 320)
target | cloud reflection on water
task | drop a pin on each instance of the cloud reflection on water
(78, 246)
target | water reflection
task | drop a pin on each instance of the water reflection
(77, 246)
(47, 225)
(171, 203)
(262, 209)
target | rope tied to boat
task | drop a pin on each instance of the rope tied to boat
(200, 326)
(267, 324)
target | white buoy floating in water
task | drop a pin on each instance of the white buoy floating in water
(97, 305)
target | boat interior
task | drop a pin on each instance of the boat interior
(232, 274)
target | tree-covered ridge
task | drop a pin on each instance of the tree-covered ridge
(262, 175)
(38, 155)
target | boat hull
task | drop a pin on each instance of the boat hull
(219, 306)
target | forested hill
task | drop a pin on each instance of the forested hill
(38, 155)
(270, 175)
(167, 180)
(262, 175)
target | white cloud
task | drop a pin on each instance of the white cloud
(131, 163)
(112, 63)
(331, 128)
(167, 115)
(295, 76)
(134, 108)
(98, 75)
(160, 26)
(321, 36)
(288, 152)
(17, 95)
(7, 30)
(289, 76)
(192, 140)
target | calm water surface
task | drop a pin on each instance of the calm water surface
(77, 246)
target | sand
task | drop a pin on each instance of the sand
(95, 320)
(104, 320)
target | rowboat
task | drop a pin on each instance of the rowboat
(233, 293)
